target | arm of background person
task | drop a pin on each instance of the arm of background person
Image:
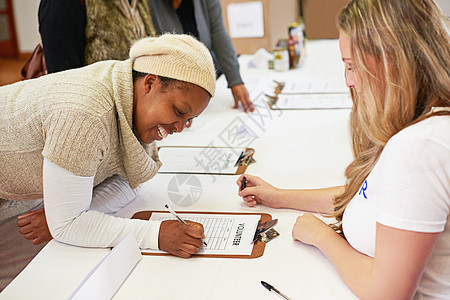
(222, 45)
(226, 55)
(62, 25)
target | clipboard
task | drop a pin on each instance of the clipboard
(310, 101)
(278, 93)
(258, 246)
(240, 170)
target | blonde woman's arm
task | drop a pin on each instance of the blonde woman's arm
(394, 272)
(257, 191)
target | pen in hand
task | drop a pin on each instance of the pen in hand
(180, 219)
(273, 289)
(244, 183)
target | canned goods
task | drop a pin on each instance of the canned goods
(295, 44)
(280, 59)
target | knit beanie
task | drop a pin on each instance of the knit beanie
(177, 56)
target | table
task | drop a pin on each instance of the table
(294, 149)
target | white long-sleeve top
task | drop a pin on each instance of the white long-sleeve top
(79, 215)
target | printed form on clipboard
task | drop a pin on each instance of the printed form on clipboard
(200, 160)
(224, 234)
(311, 101)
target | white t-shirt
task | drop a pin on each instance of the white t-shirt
(409, 189)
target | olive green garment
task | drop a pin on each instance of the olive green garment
(113, 25)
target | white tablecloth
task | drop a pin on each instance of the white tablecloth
(294, 149)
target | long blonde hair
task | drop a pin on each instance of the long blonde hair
(401, 56)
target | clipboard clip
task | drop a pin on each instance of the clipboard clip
(245, 158)
(278, 89)
(280, 86)
(263, 229)
(272, 100)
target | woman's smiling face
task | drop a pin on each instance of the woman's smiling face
(160, 110)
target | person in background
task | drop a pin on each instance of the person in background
(203, 19)
(76, 33)
(83, 141)
(392, 239)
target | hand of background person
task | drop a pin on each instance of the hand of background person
(179, 239)
(33, 226)
(240, 95)
(310, 230)
(257, 191)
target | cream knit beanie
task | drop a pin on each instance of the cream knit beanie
(177, 56)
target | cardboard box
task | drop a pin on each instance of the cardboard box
(277, 15)
(320, 18)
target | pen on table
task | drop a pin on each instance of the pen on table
(244, 183)
(179, 218)
(272, 289)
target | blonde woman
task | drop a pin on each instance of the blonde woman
(394, 209)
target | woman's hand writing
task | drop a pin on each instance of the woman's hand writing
(179, 239)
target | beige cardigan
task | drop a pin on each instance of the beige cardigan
(79, 119)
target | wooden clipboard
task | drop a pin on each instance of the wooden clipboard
(240, 169)
(272, 100)
(258, 246)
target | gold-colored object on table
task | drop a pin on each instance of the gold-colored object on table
(280, 59)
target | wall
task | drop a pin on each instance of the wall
(26, 22)
(278, 14)
(444, 5)
(320, 18)
(25, 14)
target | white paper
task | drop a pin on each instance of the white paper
(313, 102)
(245, 19)
(259, 87)
(199, 160)
(312, 87)
(105, 279)
(225, 234)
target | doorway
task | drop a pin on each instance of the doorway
(8, 40)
